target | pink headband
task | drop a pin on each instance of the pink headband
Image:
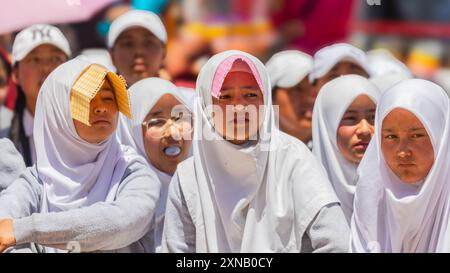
(224, 68)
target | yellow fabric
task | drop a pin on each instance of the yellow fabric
(87, 86)
(214, 31)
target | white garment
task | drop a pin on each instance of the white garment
(28, 122)
(331, 103)
(250, 198)
(144, 94)
(74, 173)
(392, 216)
(386, 69)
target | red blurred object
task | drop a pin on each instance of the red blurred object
(324, 21)
(12, 90)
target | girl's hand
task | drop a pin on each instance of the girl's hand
(7, 238)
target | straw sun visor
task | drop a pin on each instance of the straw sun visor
(88, 84)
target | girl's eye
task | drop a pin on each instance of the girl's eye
(417, 135)
(35, 60)
(156, 122)
(390, 137)
(349, 118)
(251, 95)
(224, 97)
(56, 59)
(127, 43)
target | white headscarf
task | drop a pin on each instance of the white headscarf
(386, 69)
(392, 216)
(252, 198)
(333, 100)
(144, 94)
(75, 173)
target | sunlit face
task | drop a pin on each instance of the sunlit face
(31, 72)
(241, 93)
(296, 105)
(103, 116)
(356, 129)
(341, 68)
(167, 134)
(137, 54)
(406, 146)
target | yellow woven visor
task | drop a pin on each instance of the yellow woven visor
(88, 84)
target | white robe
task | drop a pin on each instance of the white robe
(333, 100)
(144, 94)
(392, 216)
(252, 198)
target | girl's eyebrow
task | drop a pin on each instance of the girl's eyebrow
(155, 113)
(417, 128)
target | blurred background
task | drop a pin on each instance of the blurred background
(416, 32)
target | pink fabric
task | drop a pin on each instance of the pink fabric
(19, 14)
(225, 67)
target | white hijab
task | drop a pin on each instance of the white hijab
(333, 100)
(256, 197)
(144, 94)
(386, 69)
(74, 173)
(389, 215)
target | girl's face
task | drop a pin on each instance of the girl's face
(3, 82)
(406, 146)
(137, 54)
(103, 116)
(356, 129)
(31, 72)
(341, 68)
(296, 105)
(167, 133)
(241, 93)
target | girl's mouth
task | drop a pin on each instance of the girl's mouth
(172, 151)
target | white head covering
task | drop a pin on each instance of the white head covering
(137, 18)
(392, 216)
(326, 58)
(386, 69)
(333, 100)
(36, 35)
(287, 68)
(98, 56)
(75, 173)
(253, 198)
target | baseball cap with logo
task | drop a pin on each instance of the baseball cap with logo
(137, 18)
(36, 35)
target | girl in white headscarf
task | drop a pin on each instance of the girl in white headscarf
(86, 192)
(160, 131)
(402, 200)
(251, 190)
(343, 118)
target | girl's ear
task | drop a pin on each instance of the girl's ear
(15, 74)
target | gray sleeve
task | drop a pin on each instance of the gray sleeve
(103, 225)
(22, 198)
(11, 163)
(329, 231)
(179, 230)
